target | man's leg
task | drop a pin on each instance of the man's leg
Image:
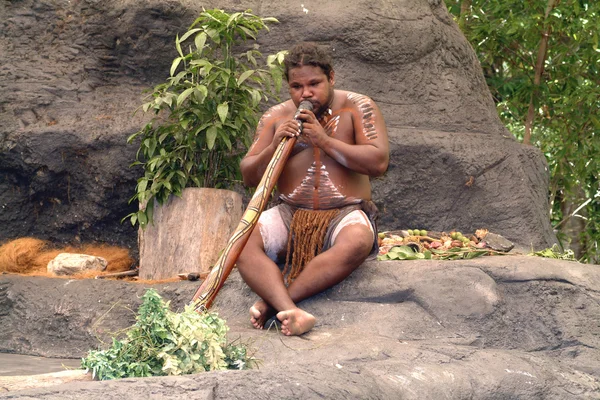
(351, 247)
(264, 277)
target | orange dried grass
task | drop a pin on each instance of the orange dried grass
(19, 255)
(30, 256)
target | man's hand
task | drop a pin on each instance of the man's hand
(312, 129)
(289, 128)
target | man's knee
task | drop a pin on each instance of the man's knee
(356, 240)
(248, 252)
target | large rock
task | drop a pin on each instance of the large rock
(71, 264)
(73, 72)
(510, 327)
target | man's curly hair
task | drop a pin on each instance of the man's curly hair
(308, 54)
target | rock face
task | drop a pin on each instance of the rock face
(511, 327)
(73, 73)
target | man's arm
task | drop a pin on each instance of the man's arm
(370, 154)
(266, 139)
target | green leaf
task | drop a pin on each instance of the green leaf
(225, 139)
(188, 34)
(475, 254)
(150, 144)
(142, 185)
(142, 218)
(248, 32)
(211, 135)
(222, 110)
(184, 95)
(178, 46)
(213, 34)
(233, 17)
(281, 56)
(200, 40)
(245, 76)
(150, 211)
(256, 97)
(133, 136)
(277, 77)
(163, 136)
(201, 62)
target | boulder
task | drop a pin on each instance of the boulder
(502, 327)
(73, 74)
(71, 264)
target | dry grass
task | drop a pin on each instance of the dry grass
(30, 256)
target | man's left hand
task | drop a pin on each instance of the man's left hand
(312, 129)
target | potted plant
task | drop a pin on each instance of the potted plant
(205, 112)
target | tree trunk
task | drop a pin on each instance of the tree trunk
(539, 70)
(465, 9)
(188, 232)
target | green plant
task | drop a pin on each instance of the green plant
(554, 252)
(206, 110)
(163, 342)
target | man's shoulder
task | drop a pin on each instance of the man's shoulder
(356, 98)
(280, 110)
(352, 99)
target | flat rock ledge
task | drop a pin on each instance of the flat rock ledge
(511, 327)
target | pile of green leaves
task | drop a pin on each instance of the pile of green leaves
(404, 253)
(206, 111)
(409, 253)
(163, 342)
(555, 252)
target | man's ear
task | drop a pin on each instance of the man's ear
(332, 77)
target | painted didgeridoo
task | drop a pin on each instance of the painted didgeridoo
(207, 292)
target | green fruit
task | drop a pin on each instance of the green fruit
(381, 235)
(423, 232)
(410, 232)
(464, 239)
(454, 235)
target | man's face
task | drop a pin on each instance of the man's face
(310, 83)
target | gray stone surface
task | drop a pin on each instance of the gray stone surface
(512, 327)
(72, 73)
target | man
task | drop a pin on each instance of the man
(325, 223)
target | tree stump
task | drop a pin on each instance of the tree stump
(188, 233)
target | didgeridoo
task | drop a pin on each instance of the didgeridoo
(207, 292)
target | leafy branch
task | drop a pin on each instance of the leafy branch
(163, 342)
(206, 111)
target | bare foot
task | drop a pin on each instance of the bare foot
(260, 313)
(295, 321)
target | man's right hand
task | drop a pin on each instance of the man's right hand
(289, 128)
